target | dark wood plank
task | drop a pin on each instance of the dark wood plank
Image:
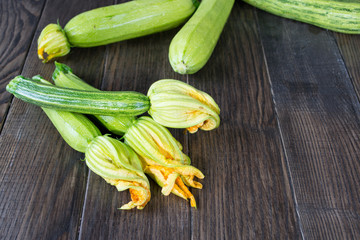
(134, 65)
(43, 182)
(349, 46)
(318, 113)
(247, 193)
(18, 23)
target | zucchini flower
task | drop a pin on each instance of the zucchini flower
(176, 104)
(163, 158)
(118, 165)
(52, 43)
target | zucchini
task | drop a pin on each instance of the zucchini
(336, 15)
(193, 45)
(76, 129)
(114, 23)
(63, 76)
(72, 100)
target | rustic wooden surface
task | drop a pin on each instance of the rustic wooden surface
(284, 163)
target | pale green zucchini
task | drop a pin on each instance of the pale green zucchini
(336, 15)
(193, 45)
(112, 24)
(76, 129)
(72, 100)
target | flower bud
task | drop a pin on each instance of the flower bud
(163, 158)
(52, 43)
(176, 104)
(119, 165)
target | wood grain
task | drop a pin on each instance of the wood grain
(284, 163)
(247, 193)
(42, 180)
(18, 22)
(318, 114)
(349, 46)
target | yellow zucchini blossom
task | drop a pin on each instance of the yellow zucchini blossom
(163, 158)
(176, 104)
(119, 165)
(52, 43)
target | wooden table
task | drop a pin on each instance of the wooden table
(284, 163)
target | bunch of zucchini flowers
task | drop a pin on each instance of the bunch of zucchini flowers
(147, 147)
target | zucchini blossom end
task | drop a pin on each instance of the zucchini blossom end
(52, 43)
(176, 104)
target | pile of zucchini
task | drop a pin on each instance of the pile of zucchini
(189, 50)
(148, 148)
(192, 46)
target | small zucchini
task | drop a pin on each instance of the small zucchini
(76, 129)
(114, 23)
(336, 15)
(72, 100)
(193, 45)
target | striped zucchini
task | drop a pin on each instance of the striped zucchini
(64, 77)
(76, 129)
(193, 45)
(114, 23)
(88, 102)
(336, 15)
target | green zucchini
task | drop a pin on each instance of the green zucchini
(72, 100)
(336, 15)
(114, 23)
(63, 76)
(193, 45)
(76, 129)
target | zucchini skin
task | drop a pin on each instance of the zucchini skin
(64, 77)
(336, 15)
(76, 129)
(87, 102)
(193, 45)
(126, 20)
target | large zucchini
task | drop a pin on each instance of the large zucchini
(112, 24)
(88, 102)
(193, 45)
(336, 15)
